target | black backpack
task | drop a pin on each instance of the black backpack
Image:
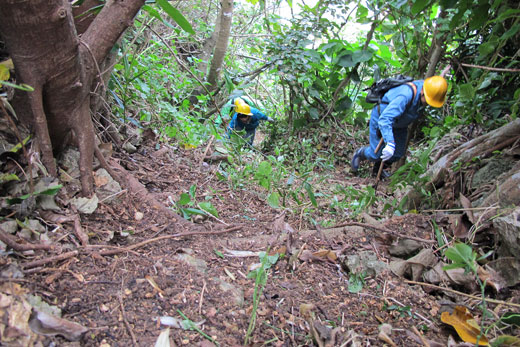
(378, 89)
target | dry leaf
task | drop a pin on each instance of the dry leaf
(154, 284)
(465, 325)
(460, 229)
(45, 324)
(467, 205)
(279, 250)
(326, 254)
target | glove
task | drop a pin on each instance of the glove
(388, 151)
(270, 120)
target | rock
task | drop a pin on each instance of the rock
(508, 228)
(130, 148)
(508, 268)
(404, 248)
(236, 292)
(107, 187)
(365, 262)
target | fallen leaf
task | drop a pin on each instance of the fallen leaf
(467, 205)
(45, 324)
(326, 254)
(465, 325)
(164, 339)
(279, 250)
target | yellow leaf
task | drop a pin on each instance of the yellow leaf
(8, 64)
(465, 325)
(4, 73)
(189, 146)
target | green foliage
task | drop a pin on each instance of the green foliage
(175, 15)
(51, 191)
(260, 276)
(356, 282)
(187, 202)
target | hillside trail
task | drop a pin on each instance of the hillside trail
(312, 295)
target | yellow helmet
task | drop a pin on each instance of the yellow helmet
(243, 108)
(435, 89)
(239, 101)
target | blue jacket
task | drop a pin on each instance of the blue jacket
(394, 111)
(257, 116)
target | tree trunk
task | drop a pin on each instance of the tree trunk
(49, 55)
(482, 146)
(226, 14)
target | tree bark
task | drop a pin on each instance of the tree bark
(482, 146)
(49, 55)
(226, 15)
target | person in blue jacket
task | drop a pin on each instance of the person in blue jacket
(399, 107)
(248, 118)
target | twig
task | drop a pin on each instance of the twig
(418, 333)
(62, 256)
(493, 301)
(202, 296)
(382, 230)
(207, 149)
(498, 69)
(127, 325)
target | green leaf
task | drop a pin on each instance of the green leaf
(274, 200)
(355, 283)
(480, 16)
(184, 199)
(308, 189)
(510, 33)
(361, 56)
(419, 5)
(218, 253)
(193, 188)
(176, 15)
(346, 60)
(512, 318)
(462, 254)
(466, 91)
(264, 168)
(4, 177)
(208, 207)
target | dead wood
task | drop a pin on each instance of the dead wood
(484, 145)
(11, 242)
(44, 261)
(165, 237)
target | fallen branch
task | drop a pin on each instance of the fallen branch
(11, 242)
(44, 261)
(493, 301)
(368, 226)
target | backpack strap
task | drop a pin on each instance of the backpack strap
(414, 90)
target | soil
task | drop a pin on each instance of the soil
(197, 275)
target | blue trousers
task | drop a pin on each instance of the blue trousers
(400, 135)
